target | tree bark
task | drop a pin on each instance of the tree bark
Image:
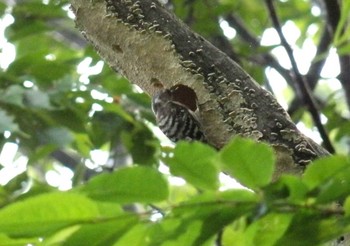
(152, 48)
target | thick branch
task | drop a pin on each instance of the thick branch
(151, 47)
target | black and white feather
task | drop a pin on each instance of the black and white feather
(176, 120)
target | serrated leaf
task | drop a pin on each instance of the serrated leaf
(251, 163)
(128, 185)
(43, 214)
(196, 163)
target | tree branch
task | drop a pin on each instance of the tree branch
(263, 59)
(307, 97)
(152, 48)
(317, 64)
(333, 16)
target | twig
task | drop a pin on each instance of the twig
(317, 64)
(265, 59)
(218, 240)
(307, 97)
(333, 16)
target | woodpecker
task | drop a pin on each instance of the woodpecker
(175, 119)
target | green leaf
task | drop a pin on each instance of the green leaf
(58, 136)
(347, 206)
(37, 99)
(322, 170)
(287, 187)
(110, 225)
(342, 34)
(105, 233)
(69, 118)
(8, 241)
(329, 178)
(7, 122)
(196, 163)
(43, 214)
(3, 6)
(136, 236)
(13, 95)
(216, 210)
(61, 236)
(269, 229)
(308, 229)
(235, 234)
(229, 196)
(128, 185)
(251, 163)
(297, 189)
(142, 145)
(188, 236)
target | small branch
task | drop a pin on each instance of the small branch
(158, 210)
(344, 76)
(241, 29)
(264, 59)
(317, 64)
(218, 240)
(307, 97)
(333, 16)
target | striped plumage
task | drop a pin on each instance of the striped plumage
(174, 119)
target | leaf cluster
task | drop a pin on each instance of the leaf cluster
(137, 205)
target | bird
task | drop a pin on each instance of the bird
(174, 117)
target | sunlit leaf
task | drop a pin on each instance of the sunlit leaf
(251, 163)
(127, 185)
(13, 95)
(269, 229)
(323, 170)
(46, 213)
(196, 163)
(6, 240)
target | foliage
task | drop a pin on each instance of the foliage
(60, 105)
(290, 209)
